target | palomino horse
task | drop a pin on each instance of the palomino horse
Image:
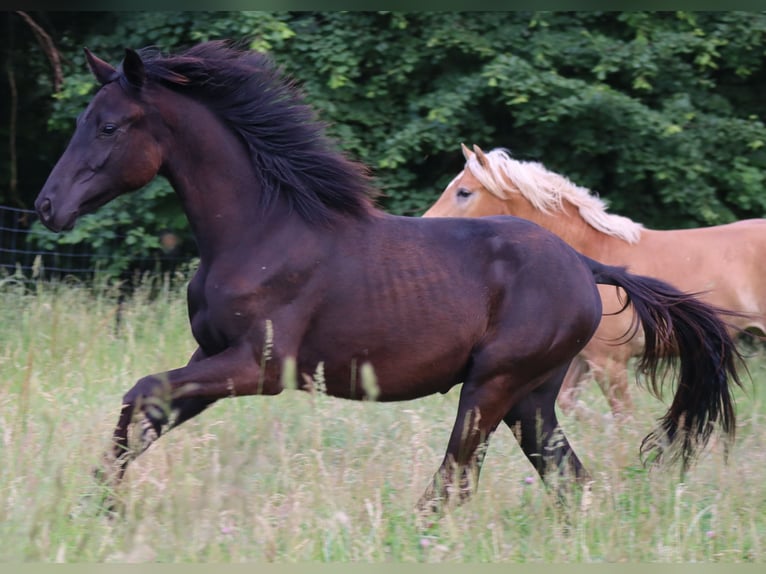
(722, 264)
(298, 267)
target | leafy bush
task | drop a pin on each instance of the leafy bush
(659, 112)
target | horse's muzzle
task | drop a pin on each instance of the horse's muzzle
(47, 213)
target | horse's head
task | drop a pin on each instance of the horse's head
(466, 196)
(113, 149)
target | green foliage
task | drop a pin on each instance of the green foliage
(633, 107)
(659, 112)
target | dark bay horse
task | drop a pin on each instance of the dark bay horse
(723, 263)
(296, 264)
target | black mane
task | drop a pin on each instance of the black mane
(293, 157)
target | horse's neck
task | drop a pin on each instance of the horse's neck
(211, 171)
(572, 228)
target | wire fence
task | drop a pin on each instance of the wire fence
(23, 259)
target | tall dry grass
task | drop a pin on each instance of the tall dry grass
(301, 477)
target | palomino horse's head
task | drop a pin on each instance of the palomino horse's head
(111, 152)
(494, 183)
(466, 195)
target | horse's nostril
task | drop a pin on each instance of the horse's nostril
(46, 210)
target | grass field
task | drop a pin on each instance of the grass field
(298, 478)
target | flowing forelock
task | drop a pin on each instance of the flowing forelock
(547, 191)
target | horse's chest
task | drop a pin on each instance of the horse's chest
(226, 309)
(216, 322)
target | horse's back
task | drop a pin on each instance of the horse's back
(722, 263)
(542, 299)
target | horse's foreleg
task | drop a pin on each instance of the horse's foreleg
(162, 401)
(185, 408)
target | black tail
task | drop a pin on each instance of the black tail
(678, 324)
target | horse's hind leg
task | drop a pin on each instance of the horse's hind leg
(480, 410)
(535, 426)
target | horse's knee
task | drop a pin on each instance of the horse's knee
(151, 397)
(144, 387)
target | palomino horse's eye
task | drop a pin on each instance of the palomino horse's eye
(463, 193)
(108, 129)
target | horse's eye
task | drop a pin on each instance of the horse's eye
(108, 129)
(463, 193)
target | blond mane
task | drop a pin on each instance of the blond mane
(547, 191)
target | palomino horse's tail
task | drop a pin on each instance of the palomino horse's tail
(678, 324)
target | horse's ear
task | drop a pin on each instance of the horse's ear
(483, 161)
(103, 71)
(466, 152)
(133, 68)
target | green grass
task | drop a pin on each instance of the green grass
(298, 478)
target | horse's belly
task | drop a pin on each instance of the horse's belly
(397, 370)
(385, 384)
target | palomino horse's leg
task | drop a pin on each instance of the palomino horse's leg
(612, 377)
(480, 410)
(536, 428)
(611, 374)
(573, 381)
(165, 400)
